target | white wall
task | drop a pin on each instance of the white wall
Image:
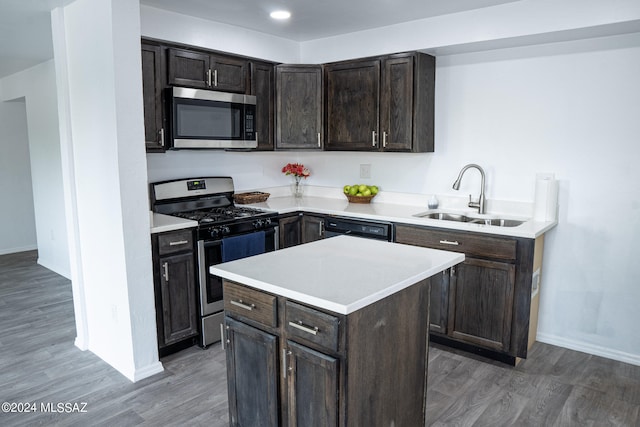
(517, 23)
(570, 108)
(97, 46)
(17, 220)
(37, 85)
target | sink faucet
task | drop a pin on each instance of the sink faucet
(456, 186)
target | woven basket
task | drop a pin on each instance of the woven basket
(251, 197)
(359, 199)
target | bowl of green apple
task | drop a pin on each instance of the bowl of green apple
(360, 193)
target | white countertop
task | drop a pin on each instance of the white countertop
(401, 213)
(161, 223)
(341, 274)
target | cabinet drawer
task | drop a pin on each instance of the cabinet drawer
(467, 242)
(180, 241)
(250, 303)
(311, 325)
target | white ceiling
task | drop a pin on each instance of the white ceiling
(25, 25)
(314, 19)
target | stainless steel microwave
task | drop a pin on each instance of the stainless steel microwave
(201, 118)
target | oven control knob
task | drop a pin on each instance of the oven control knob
(225, 230)
(215, 232)
(258, 223)
(267, 221)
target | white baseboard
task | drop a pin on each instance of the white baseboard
(62, 271)
(147, 371)
(6, 251)
(596, 350)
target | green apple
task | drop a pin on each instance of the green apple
(346, 189)
(358, 194)
(374, 190)
(366, 192)
(353, 190)
(362, 188)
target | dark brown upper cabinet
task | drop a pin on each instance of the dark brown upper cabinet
(263, 88)
(299, 107)
(381, 104)
(152, 85)
(353, 105)
(207, 70)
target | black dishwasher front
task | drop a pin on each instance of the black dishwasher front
(335, 226)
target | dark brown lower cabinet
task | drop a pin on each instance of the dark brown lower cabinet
(485, 304)
(252, 372)
(300, 228)
(482, 307)
(439, 308)
(312, 386)
(175, 289)
(296, 365)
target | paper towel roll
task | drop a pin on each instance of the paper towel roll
(546, 198)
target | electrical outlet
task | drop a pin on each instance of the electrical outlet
(365, 171)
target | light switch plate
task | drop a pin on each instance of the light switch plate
(365, 171)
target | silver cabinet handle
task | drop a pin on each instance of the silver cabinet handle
(161, 132)
(384, 139)
(303, 327)
(215, 78)
(285, 368)
(241, 304)
(256, 137)
(222, 337)
(449, 242)
(321, 228)
(209, 77)
(179, 242)
(373, 138)
(319, 143)
(165, 267)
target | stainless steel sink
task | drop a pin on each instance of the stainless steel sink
(448, 216)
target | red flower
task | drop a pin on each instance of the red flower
(296, 169)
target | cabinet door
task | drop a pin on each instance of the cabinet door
(228, 74)
(439, 301)
(299, 107)
(482, 303)
(312, 228)
(312, 387)
(396, 104)
(188, 68)
(252, 376)
(179, 310)
(152, 84)
(353, 99)
(263, 88)
(290, 231)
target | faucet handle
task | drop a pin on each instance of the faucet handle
(473, 204)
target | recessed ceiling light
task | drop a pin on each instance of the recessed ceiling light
(280, 14)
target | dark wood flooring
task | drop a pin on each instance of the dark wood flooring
(40, 365)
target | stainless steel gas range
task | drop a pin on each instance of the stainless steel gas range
(225, 232)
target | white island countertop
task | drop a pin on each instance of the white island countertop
(340, 274)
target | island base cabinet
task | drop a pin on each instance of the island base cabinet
(252, 376)
(312, 387)
(366, 368)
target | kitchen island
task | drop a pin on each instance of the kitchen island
(334, 332)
